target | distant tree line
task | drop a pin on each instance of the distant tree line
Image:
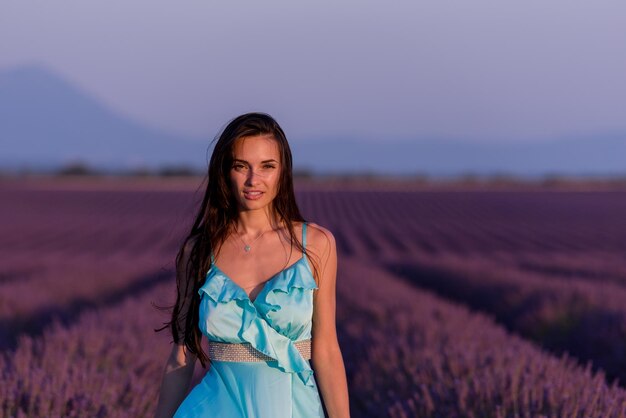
(81, 168)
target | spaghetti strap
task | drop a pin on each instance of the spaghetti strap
(270, 326)
(303, 238)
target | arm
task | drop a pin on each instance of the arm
(175, 382)
(326, 355)
(178, 370)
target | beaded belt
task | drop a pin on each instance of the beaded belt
(245, 352)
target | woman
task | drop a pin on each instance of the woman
(259, 282)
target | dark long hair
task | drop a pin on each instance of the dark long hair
(214, 221)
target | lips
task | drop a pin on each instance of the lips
(252, 194)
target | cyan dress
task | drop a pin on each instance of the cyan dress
(280, 315)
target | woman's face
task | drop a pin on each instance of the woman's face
(255, 171)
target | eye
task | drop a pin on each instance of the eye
(269, 166)
(238, 166)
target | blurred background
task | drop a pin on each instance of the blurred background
(468, 157)
(431, 89)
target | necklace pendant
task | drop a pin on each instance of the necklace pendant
(246, 248)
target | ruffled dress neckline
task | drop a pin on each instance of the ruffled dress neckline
(256, 325)
(266, 284)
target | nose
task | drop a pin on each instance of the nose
(253, 177)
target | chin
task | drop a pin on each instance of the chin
(253, 205)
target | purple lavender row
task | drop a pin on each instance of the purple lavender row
(561, 247)
(462, 222)
(85, 249)
(411, 354)
(62, 288)
(583, 318)
(107, 364)
(590, 265)
(407, 353)
(479, 222)
(102, 222)
(370, 239)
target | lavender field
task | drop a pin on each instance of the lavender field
(456, 303)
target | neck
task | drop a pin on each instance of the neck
(252, 223)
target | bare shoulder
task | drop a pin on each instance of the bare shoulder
(322, 243)
(320, 238)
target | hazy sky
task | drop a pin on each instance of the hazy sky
(474, 70)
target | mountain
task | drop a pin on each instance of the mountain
(46, 122)
(602, 155)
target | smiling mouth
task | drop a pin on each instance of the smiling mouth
(252, 195)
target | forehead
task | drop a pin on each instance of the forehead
(256, 148)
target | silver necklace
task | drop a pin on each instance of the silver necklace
(247, 247)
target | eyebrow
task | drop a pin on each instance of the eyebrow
(262, 162)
